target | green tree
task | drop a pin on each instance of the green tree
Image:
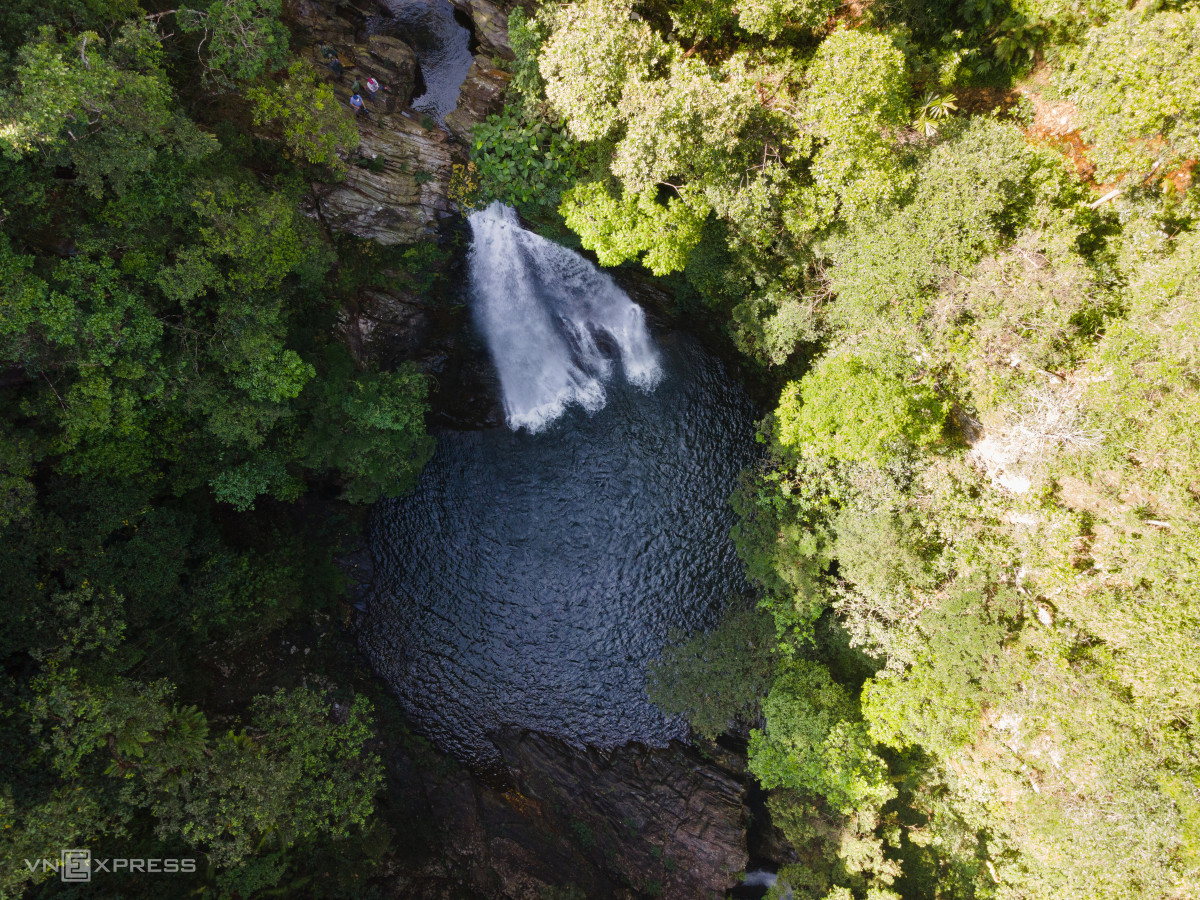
(596, 49)
(770, 18)
(297, 771)
(369, 427)
(814, 741)
(633, 226)
(847, 409)
(242, 39)
(1134, 81)
(315, 126)
(713, 677)
(937, 702)
(106, 112)
(858, 93)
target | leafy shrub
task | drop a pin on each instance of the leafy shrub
(815, 742)
(633, 226)
(521, 159)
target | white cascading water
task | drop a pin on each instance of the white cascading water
(760, 878)
(543, 309)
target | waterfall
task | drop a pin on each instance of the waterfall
(551, 320)
(760, 878)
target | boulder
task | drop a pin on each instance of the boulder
(394, 64)
(482, 94)
(490, 22)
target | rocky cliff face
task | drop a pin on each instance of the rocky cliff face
(397, 184)
(482, 93)
(624, 824)
(395, 192)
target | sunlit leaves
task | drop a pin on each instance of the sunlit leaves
(858, 92)
(634, 226)
(523, 160)
(105, 109)
(314, 125)
(1137, 84)
(847, 409)
(813, 741)
(596, 50)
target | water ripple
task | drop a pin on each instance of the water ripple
(530, 577)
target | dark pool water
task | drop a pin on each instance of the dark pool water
(530, 577)
(443, 49)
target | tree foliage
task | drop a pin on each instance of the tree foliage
(1134, 80)
(242, 39)
(166, 334)
(846, 409)
(978, 471)
(714, 677)
(315, 126)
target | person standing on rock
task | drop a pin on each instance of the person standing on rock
(373, 88)
(356, 103)
(334, 63)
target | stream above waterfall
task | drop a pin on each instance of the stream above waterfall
(534, 572)
(443, 49)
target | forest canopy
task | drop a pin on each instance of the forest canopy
(957, 246)
(170, 380)
(958, 240)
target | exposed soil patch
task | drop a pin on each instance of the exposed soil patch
(975, 100)
(1183, 176)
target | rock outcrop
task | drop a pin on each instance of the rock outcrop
(482, 94)
(627, 823)
(395, 191)
(396, 188)
(490, 22)
(401, 74)
(341, 25)
(386, 322)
